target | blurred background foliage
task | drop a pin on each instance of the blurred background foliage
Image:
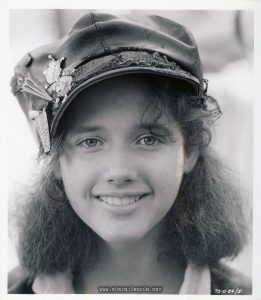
(225, 39)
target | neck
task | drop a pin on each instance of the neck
(131, 263)
(129, 254)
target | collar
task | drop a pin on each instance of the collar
(196, 281)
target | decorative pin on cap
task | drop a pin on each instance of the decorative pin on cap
(59, 83)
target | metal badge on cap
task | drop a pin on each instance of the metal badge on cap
(59, 83)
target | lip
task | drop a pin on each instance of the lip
(121, 203)
(120, 193)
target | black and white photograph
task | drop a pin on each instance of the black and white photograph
(131, 140)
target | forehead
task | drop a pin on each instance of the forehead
(117, 98)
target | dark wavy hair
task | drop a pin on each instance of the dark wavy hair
(206, 222)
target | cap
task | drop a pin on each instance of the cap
(98, 47)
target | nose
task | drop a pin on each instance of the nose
(120, 169)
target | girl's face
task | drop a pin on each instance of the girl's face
(120, 179)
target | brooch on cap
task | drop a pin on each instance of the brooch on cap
(59, 84)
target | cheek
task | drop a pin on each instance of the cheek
(165, 175)
(170, 166)
(77, 176)
(172, 175)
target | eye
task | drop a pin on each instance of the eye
(149, 140)
(91, 142)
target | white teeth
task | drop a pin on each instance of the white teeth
(119, 201)
(110, 200)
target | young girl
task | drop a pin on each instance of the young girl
(130, 198)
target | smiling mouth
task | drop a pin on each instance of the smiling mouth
(120, 201)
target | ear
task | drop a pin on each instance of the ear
(190, 161)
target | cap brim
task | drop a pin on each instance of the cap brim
(107, 67)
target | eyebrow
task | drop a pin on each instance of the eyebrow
(156, 128)
(81, 129)
(160, 128)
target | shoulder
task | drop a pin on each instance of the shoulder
(18, 282)
(226, 280)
